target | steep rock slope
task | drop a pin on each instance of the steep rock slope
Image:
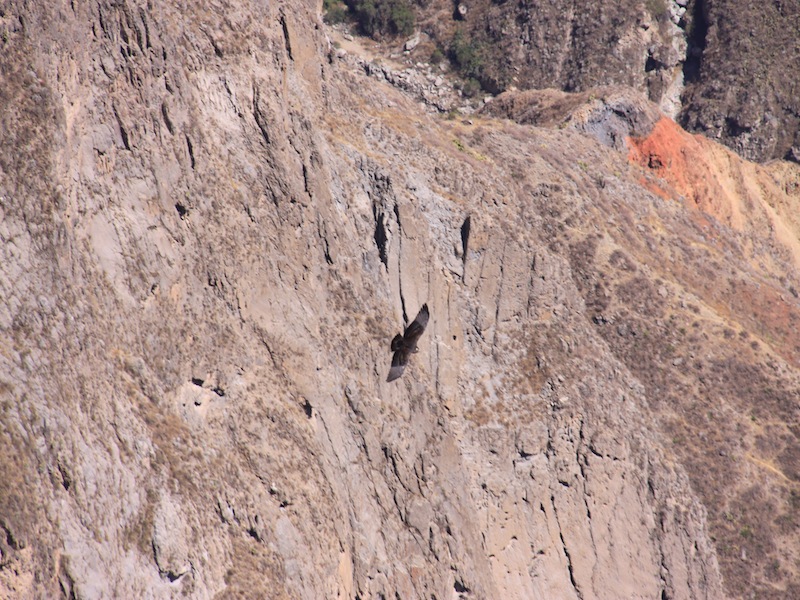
(698, 297)
(212, 229)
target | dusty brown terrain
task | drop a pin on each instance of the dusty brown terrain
(211, 228)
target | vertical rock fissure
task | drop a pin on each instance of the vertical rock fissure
(327, 252)
(566, 551)
(122, 130)
(306, 183)
(287, 41)
(322, 232)
(167, 120)
(190, 148)
(580, 458)
(259, 116)
(571, 41)
(447, 313)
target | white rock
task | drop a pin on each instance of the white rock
(411, 43)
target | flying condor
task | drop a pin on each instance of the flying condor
(405, 344)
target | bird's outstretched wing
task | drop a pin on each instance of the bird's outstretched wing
(416, 328)
(404, 345)
(399, 362)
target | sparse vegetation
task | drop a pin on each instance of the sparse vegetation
(437, 56)
(657, 8)
(383, 18)
(467, 55)
(335, 11)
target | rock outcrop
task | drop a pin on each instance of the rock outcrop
(211, 229)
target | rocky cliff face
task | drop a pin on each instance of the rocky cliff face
(211, 229)
(726, 68)
(742, 87)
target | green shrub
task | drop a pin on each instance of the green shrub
(469, 58)
(467, 55)
(379, 18)
(335, 11)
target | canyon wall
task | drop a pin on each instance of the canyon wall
(212, 226)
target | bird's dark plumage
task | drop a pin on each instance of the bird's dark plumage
(406, 344)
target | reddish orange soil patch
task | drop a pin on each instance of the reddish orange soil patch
(681, 160)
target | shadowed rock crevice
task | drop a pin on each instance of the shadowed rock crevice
(167, 119)
(465, 228)
(380, 236)
(183, 212)
(190, 150)
(123, 130)
(286, 40)
(696, 41)
(261, 115)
